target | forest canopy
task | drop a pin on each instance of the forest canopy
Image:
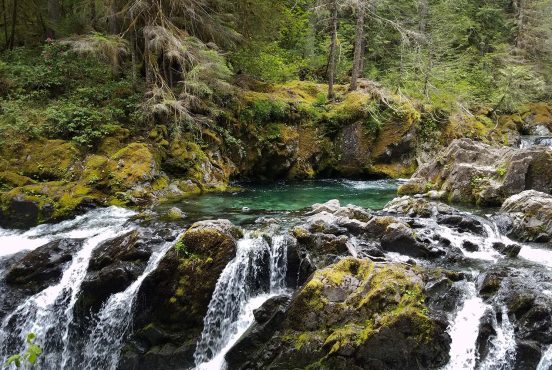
(183, 55)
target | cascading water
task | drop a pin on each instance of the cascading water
(502, 352)
(546, 360)
(103, 347)
(464, 330)
(49, 313)
(278, 263)
(230, 311)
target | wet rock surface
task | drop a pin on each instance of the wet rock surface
(471, 172)
(43, 266)
(173, 300)
(524, 300)
(527, 216)
(113, 266)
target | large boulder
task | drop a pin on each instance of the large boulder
(26, 273)
(527, 216)
(43, 266)
(354, 314)
(113, 266)
(174, 298)
(472, 172)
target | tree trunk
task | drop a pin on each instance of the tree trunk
(133, 55)
(147, 63)
(519, 6)
(54, 15)
(5, 16)
(423, 8)
(11, 43)
(92, 11)
(112, 19)
(333, 52)
(359, 36)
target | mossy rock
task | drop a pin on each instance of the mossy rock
(43, 160)
(175, 296)
(46, 202)
(357, 314)
(116, 141)
(10, 180)
(131, 166)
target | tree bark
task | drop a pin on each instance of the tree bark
(333, 51)
(92, 10)
(359, 37)
(112, 19)
(5, 16)
(54, 15)
(11, 43)
(519, 6)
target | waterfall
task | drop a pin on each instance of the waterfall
(502, 353)
(278, 263)
(464, 331)
(546, 360)
(49, 313)
(104, 344)
(230, 311)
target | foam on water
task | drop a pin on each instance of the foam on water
(49, 313)
(464, 331)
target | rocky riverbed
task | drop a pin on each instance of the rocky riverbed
(408, 282)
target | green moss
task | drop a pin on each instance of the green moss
(10, 180)
(386, 296)
(502, 169)
(53, 200)
(301, 340)
(133, 165)
(43, 159)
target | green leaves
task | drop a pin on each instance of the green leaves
(28, 358)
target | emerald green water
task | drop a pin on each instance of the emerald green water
(284, 199)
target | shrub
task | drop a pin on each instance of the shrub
(83, 124)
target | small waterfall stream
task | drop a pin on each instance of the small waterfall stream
(49, 313)
(237, 295)
(502, 349)
(546, 360)
(104, 344)
(464, 330)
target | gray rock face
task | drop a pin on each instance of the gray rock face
(114, 265)
(527, 216)
(473, 172)
(43, 266)
(522, 297)
(268, 319)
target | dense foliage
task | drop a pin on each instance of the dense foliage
(77, 69)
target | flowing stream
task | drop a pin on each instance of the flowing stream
(237, 294)
(49, 313)
(257, 273)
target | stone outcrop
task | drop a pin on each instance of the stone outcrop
(527, 216)
(522, 297)
(113, 266)
(43, 266)
(471, 172)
